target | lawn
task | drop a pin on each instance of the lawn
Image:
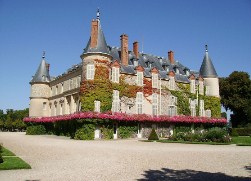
(242, 140)
(11, 161)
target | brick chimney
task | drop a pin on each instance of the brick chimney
(171, 56)
(48, 67)
(94, 33)
(124, 49)
(136, 49)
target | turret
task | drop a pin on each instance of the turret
(96, 47)
(211, 81)
(40, 91)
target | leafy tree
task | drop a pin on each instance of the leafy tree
(235, 92)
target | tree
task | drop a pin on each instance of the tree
(235, 92)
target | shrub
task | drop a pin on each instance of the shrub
(233, 132)
(1, 150)
(153, 135)
(36, 130)
(217, 135)
(183, 129)
(127, 131)
(107, 132)
(85, 133)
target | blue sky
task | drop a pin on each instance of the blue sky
(62, 29)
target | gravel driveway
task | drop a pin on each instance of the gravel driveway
(60, 158)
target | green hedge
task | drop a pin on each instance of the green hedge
(241, 132)
(36, 130)
(208, 135)
(127, 131)
(153, 135)
(1, 150)
(85, 133)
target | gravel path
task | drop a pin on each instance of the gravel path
(59, 158)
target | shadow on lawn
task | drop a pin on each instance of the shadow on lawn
(171, 175)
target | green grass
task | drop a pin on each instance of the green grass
(7, 152)
(12, 162)
(242, 140)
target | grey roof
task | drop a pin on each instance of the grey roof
(148, 62)
(207, 69)
(42, 74)
(101, 43)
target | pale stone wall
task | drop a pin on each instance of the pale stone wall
(40, 90)
(36, 107)
(213, 84)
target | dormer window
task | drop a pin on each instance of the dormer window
(177, 71)
(135, 62)
(187, 72)
(192, 86)
(140, 78)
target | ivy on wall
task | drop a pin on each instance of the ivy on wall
(101, 89)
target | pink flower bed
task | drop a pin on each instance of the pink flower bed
(128, 117)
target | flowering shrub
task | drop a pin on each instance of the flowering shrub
(128, 118)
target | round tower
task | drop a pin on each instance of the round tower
(211, 81)
(40, 91)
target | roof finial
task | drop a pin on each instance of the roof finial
(98, 14)
(43, 55)
(206, 48)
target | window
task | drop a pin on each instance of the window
(140, 78)
(171, 83)
(193, 106)
(96, 106)
(187, 72)
(115, 102)
(78, 81)
(44, 105)
(172, 100)
(202, 112)
(135, 62)
(56, 90)
(192, 86)
(201, 88)
(155, 80)
(208, 113)
(207, 90)
(177, 71)
(70, 84)
(155, 104)
(139, 102)
(90, 72)
(115, 74)
(172, 108)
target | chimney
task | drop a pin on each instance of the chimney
(136, 49)
(124, 49)
(48, 67)
(94, 33)
(171, 57)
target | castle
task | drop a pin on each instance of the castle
(136, 83)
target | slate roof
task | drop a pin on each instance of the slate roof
(148, 62)
(42, 74)
(207, 69)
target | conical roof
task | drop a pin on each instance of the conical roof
(42, 74)
(207, 69)
(101, 46)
